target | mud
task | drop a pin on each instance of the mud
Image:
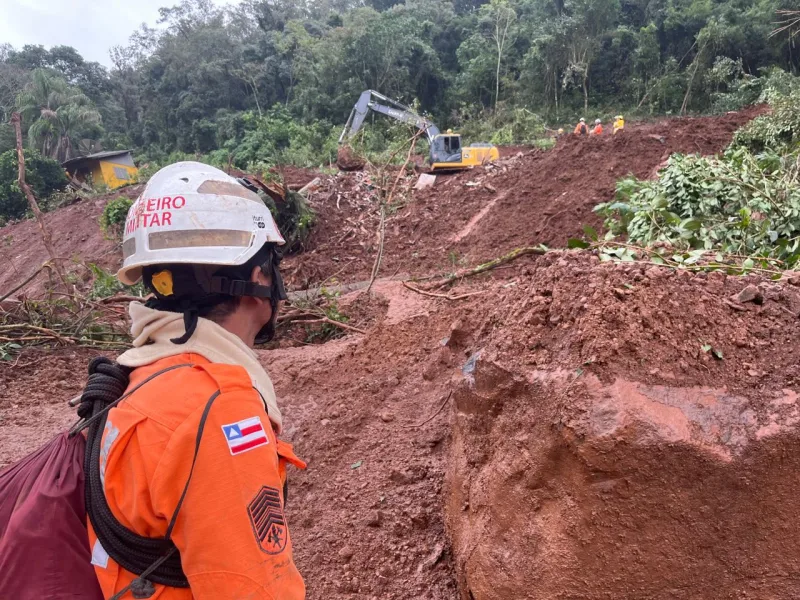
(528, 197)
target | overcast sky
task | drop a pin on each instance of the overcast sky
(90, 26)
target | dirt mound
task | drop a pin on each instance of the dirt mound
(348, 160)
(295, 177)
(531, 197)
(616, 435)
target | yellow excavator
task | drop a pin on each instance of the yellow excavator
(446, 151)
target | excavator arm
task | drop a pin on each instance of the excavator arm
(372, 100)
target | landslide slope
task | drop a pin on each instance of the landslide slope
(530, 198)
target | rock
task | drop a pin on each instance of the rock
(311, 186)
(490, 188)
(374, 518)
(325, 422)
(425, 181)
(751, 294)
(387, 417)
(346, 553)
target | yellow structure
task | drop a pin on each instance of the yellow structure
(471, 156)
(113, 169)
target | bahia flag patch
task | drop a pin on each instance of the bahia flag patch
(245, 435)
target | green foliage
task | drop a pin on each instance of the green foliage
(741, 204)
(43, 175)
(112, 221)
(106, 284)
(329, 304)
(778, 131)
(294, 218)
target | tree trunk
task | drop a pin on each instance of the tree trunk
(16, 121)
(497, 80)
(586, 90)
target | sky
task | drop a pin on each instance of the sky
(90, 26)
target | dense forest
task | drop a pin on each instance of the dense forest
(274, 80)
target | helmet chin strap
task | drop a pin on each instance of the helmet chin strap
(275, 292)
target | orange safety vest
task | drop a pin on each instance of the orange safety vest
(231, 531)
(598, 130)
(581, 129)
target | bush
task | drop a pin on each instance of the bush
(738, 204)
(114, 214)
(43, 175)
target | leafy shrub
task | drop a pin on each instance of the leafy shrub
(294, 219)
(778, 131)
(106, 284)
(114, 214)
(738, 204)
(43, 175)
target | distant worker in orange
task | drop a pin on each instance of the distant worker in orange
(581, 128)
(598, 127)
(619, 124)
(190, 462)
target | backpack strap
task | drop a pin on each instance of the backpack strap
(152, 559)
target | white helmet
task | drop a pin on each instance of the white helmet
(191, 213)
(583, 120)
(597, 122)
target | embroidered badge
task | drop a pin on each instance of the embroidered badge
(266, 517)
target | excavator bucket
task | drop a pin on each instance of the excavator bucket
(348, 160)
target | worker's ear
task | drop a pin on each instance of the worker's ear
(258, 276)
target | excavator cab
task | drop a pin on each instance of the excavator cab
(446, 148)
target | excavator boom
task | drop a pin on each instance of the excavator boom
(372, 100)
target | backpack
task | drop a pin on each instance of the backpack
(45, 500)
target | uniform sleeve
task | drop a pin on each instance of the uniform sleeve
(231, 530)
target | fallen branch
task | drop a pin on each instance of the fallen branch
(336, 323)
(27, 281)
(112, 299)
(377, 265)
(445, 296)
(492, 264)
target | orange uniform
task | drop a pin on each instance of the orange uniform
(581, 129)
(598, 130)
(231, 531)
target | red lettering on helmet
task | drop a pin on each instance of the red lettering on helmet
(166, 203)
(178, 202)
(150, 206)
(166, 218)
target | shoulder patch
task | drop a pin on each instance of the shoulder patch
(245, 435)
(266, 518)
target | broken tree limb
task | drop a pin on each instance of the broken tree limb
(445, 296)
(16, 121)
(382, 234)
(27, 281)
(492, 264)
(335, 323)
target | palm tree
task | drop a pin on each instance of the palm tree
(57, 112)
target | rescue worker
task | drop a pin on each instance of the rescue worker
(194, 452)
(598, 127)
(581, 128)
(619, 124)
